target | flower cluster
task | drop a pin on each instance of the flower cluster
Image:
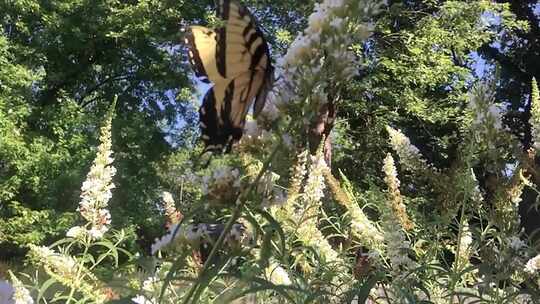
(464, 249)
(533, 265)
(277, 275)
(254, 134)
(173, 215)
(310, 202)
(222, 185)
(320, 55)
(396, 200)
(409, 155)
(314, 186)
(361, 226)
(151, 287)
(508, 199)
(298, 175)
(66, 270)
(535, 115)
(96, 190)
(272, 195)
(477, 195)
(515, 243)
(286, 211)
(394, 220)
(328, 23)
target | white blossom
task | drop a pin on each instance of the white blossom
(533, 265)
(316, 20)
(535, 115)
(76, 232)
(465, 243)
(167, 198)
(409, 155)
(222, 184)
(277, 275)
(397, 248)
(96, 189)
(270, 111)
(393, 222)
(314, 188)
(476, 192)
(251, 129)
(363, 227)
(140, 299)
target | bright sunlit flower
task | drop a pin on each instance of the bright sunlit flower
(140, 299)
(326, 33)
(363, 228)
(222, 184)
(465, 243)
(394, 220)
(66, 270)
(533, 265)
(173, 215)
(195, 234)
(314, 187)
(409, 155)
(396, 200)
(96, 189)
(277, 275)
(535, 115)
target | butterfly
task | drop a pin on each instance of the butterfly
(235, 58)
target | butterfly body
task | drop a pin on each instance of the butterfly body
(236, 60)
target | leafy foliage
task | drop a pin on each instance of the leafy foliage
(59, 60)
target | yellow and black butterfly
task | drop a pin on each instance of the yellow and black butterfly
(236, 59)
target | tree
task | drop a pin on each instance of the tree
(74, 57)
(417, 73)
(518, 57)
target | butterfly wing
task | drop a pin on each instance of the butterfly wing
(241, 44)
(202, 45)
(224, 109)
(241, 47)
(236, 59)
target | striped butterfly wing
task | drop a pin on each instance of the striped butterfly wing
(235, 58)
(202, 43)
(242, 47)
(241, 44)
(224, 109)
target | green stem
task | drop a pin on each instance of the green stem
(105, 255)
(77, 277)
(457, 259)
